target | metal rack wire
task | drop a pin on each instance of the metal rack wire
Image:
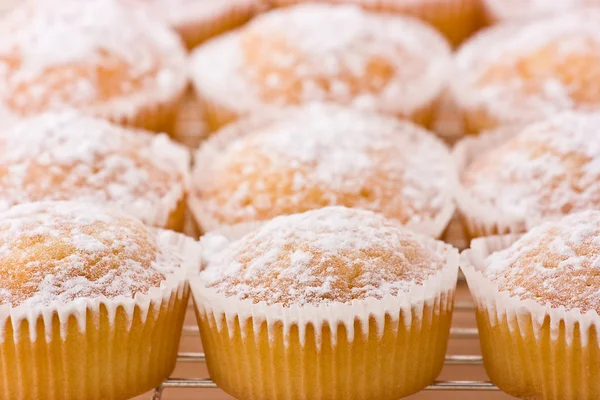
(457, 360)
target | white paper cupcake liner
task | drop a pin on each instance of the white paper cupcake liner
(502, 306)
(79, 309)
(436, 292)
(212, 149)
(481, 219)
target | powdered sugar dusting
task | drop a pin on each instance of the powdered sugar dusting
(526, 72)
(67, 156)
(550, 168)
(319, 155)
(557, 263)
(52, 253)
(522, 9)
(322, 52)
(68, 53)
(333, 254)
(178, 12)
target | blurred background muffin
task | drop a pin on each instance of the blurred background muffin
(512, 10)
(68, 156)
(298, 159)
(198, 20)
(318, 52)
(456, 19)
(99, 56)
(511, 179)
(522, 72)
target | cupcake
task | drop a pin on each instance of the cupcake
(456, 19)
(510, 10)
(198, 20)
(537, 302)
(519, 73)
(317, 52)
(98, 56)
(318, 155)
(511, 179)
(68, 156)
(334, 303)
(91, 302)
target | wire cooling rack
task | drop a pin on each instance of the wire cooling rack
(455, 333)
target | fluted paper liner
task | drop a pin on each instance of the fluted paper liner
(481, 219)
(532, 350)
(371, 348)
(210, 150)
(97, 348)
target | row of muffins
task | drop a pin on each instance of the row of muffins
(263, 167)
(332, 303)
(513, 73)
(428, 371)
(303, 158)
(341, 303)
(229, 188)
(125, 66)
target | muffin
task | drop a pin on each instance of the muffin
(514, 73)
(69, 156)
(317, 52)
(334, 303)
(510, 10)
(511, 179)
(91, 302)
(456, 19)
(319, 155)
(98, 56)
(198, 20)
(537, 307)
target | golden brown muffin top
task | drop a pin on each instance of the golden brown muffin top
(320, 52)
(550, 168)
(556, 263)
(57, 54)
(529, 71)
(320, 155)
(68, 156)
(334, 254)
(52, 253)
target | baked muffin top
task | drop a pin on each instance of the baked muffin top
(320, 52)
(181, 12)
(58, 54)
(52, 253)
(318, 155)
(549, 168)
(333, 254)
(556, 263)
(519, 73)
(68, 156)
